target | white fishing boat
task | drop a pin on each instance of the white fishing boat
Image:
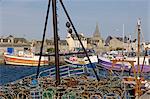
(81, 59)
(24, 59)
(111, 57)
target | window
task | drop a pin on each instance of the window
(5, 40)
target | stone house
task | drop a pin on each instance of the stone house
(74, 43)
(146, 44)
(18, 44)
(114, 43)
(36, 45)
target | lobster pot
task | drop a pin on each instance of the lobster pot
(36, 93)
(111, 96)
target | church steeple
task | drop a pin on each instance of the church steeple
(97, 32)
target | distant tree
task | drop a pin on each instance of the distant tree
(50, 50)
(118, 48)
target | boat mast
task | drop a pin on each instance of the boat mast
(55, 30)
(123, 39)
(138, 50)
(138, 60)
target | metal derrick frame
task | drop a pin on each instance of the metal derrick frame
(56, 39)
(138, 90)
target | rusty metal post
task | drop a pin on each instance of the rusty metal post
(55, 30)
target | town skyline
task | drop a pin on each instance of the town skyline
(25, 18)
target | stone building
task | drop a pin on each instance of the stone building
(74, 43)
(96, 42)
(36, 45)
(18, 44)
(114, 43)
(63, 45)
(146, 44)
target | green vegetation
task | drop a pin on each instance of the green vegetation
(50, 50)
(118, 48)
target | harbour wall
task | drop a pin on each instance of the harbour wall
(1, 59)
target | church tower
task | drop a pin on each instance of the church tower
(96, 42)
(96, 34)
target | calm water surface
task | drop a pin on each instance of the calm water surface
(9, 73)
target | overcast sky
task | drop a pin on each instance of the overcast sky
(25, 18)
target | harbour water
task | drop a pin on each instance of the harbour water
(9, 73)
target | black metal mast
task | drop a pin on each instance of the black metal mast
(43, 38)
(55, 30)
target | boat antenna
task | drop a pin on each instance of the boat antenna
(123, 39)
(63, 6)
(43, 38)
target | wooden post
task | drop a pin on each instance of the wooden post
(137, 79)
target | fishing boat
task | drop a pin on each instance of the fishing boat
(107, 63)
(141, 63)
(64, 81)
(24, 59)
(81, 59)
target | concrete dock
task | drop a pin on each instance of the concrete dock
(146, 95)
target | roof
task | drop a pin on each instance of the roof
(64, 42)
(49, 41)
(107, 41)
(75, 37)
(125, 40)
(14, 45)
(60, 41)
(10, 36)
(20, 40)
